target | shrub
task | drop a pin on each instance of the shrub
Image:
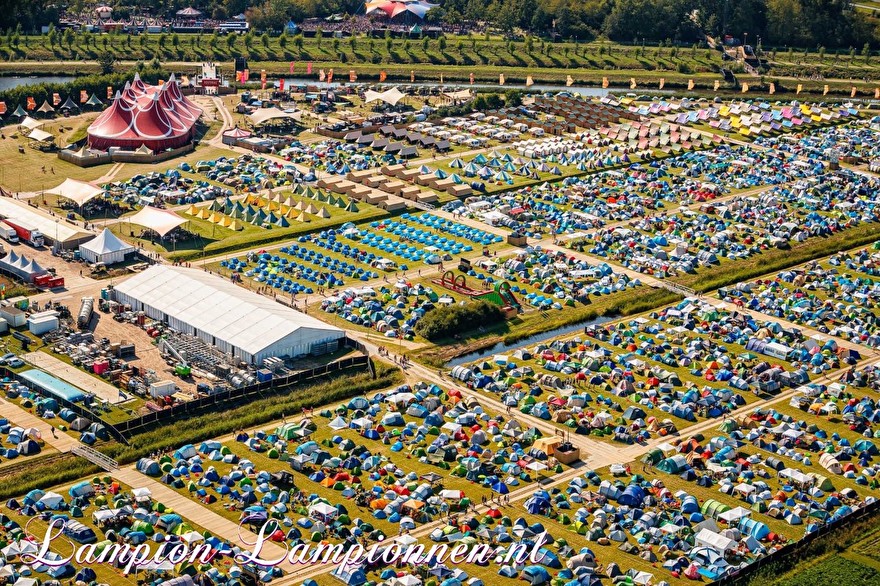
(446, 321)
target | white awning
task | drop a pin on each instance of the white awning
(391, 96)
(30, 123)
(160, 221)
(39, 135)
(77, 191)
(266, 114)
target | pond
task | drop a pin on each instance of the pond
(14, 81)
(533, 339)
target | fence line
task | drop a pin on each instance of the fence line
(744, 575)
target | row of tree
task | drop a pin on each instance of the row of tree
(801, 23)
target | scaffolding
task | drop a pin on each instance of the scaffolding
(198, 354)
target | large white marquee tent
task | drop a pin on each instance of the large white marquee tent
(77, 191)
(160, 221)
(238, 322)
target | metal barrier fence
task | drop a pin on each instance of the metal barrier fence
(137, 424)
(744, 575)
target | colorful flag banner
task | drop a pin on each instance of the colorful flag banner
(472, 78)
(717, 85)
(745, 88)
(632, 83)
(330, 76)
(529, 81)
(83, 97)
(31, 103)
(853, 94)
(352, 76)
(281, 84)
(309, 68)
(800, 88)
(604, 82)
(569, 81)
(772, 88)
(825, 91)
(109, 91)
(322, 76)
(691, 85)
(662, 82)
(500, 79)
(382, 76)
(292, 66)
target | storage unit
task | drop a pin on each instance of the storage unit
(42, 323)
(162, 388)
(15, 317)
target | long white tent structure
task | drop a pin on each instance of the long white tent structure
(238, 322)
(54, 229)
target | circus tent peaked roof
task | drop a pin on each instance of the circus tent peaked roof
(159, 117)
(395, 7)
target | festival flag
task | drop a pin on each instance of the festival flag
(263, 75)
(441, 79)
(745, 88)
(662, 82)
(309, 68)
(31, 103)
(876, 97)
(322, 76)
(56, 99)
(2, 108)
(853, 94)
(247, 75)
(83, 97)
(109, 91)
(800, 88)
(263, 84)
(500, 79)
(330, 76)
(382, 76)
(632, 83)
(412, 75)
(772, 88)
(292, 66)
(604, 82)
(691, 85)
(569, 81)
(472, 78)
(825, 91)
(161, 82)
(352, 76)
(281, 84)
(717, 85)
(529, 82)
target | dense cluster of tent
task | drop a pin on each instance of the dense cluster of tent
(762, 118)
(101, 513)
(842, 304)
(739, 228)
(148, 117)
(609, 381)
(169, 187)
(552, 280)
(858, 140)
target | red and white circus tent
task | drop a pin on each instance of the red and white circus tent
(157, 117)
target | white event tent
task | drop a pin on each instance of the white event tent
(77, 191)
(249, 326)
(157, 220)
(105, 248)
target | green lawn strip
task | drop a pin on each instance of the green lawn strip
(770, 261)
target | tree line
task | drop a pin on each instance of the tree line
(798, 23)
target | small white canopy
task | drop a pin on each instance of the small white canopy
(735, 514)
(160, 221)
(265, 114)
(105, 248)
(390, 97)
(77, 191)
(40, 135)
(30, 123)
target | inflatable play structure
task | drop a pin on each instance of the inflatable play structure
(499, 295)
